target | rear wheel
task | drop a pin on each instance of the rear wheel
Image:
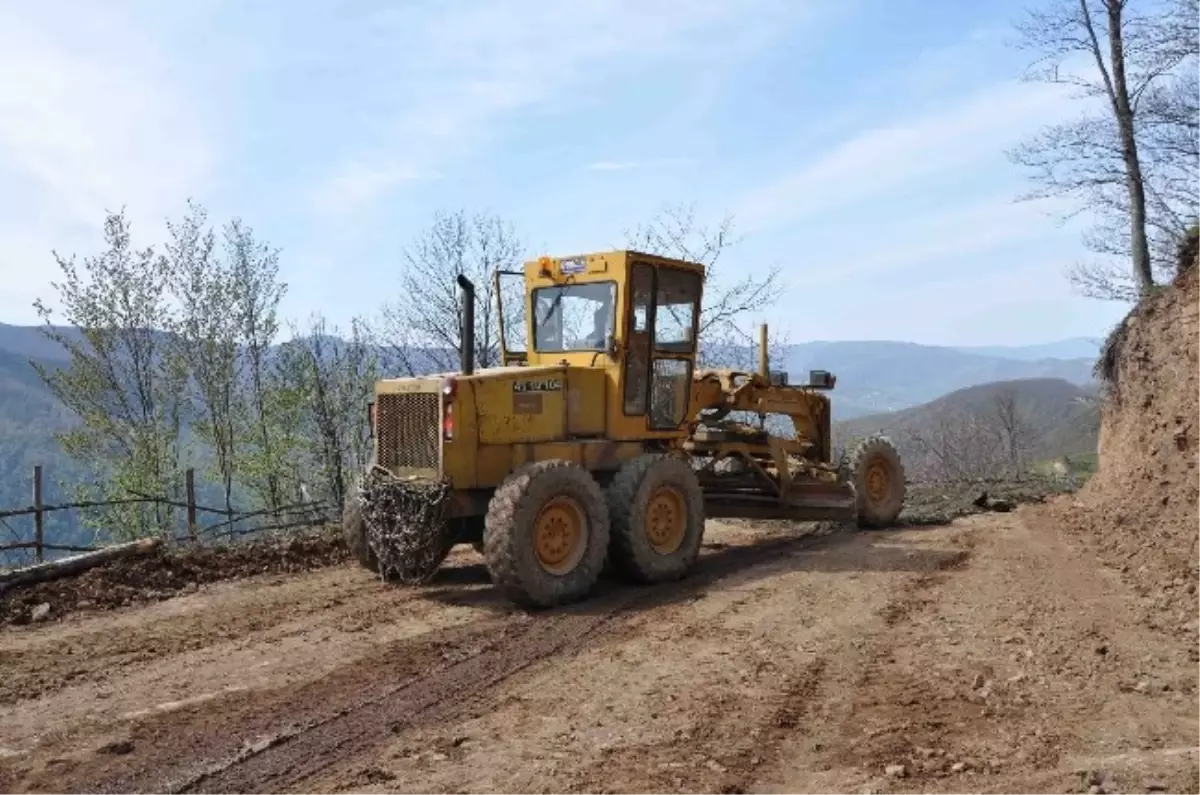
(878, 477)
(547, 534)
(657, 511)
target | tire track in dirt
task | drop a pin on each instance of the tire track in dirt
(802, 712)
(285, 753)
(42, 661)
(764, 695)
(287, 759)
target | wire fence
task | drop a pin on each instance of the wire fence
(24, 548)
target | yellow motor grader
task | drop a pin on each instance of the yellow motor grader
(599, 445)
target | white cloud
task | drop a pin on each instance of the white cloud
(358, 182)
(631, 165)
(911, 219)
(914, 242)
(88, 123)
(975, 129)
(457, 74)
(1024, 302)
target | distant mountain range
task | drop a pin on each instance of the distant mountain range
(1074, 348)
(873, 377)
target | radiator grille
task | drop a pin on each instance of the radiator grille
(408, 427)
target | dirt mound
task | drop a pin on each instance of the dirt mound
(936, 502)
(1141, 507)
(171, 571)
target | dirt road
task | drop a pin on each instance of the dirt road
(989, 655)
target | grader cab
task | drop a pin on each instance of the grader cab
(599, 443)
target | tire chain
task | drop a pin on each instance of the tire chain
(406, 525)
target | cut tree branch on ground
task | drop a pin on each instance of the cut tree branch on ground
(76, 564)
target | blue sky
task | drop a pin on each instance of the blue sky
(859, 144)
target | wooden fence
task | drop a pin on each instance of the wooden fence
(226, 527)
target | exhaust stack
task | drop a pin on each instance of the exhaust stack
(468, 324)
(763, 363)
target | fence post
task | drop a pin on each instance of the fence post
(39, 529)
(191, 503)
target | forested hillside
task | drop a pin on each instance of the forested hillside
(990, 430)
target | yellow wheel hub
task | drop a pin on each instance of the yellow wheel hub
(879, 480)
(560, 535)
(666, 520)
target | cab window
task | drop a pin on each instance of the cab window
(676, 300)
(574, 317)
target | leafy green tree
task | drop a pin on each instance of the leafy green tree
(120, 381)
(256, 289)
(174, 360)
(326, 381)
(204, 339)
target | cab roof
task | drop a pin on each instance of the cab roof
(616, 256)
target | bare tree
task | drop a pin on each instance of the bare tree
(422, 329)
(1177, 33)
(957, 443)
(1169, 128)
(676, 232)
(987, 438)
(421, 333)
(1132, 162)
(940, 450)
(1013, 429)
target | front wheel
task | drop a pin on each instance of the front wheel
(878, 477)
(547, 534)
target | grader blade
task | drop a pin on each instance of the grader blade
(804, 502)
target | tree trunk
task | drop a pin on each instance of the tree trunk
(76, 563)
(1139, 245)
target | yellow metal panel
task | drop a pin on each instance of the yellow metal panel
(521, 407)
(551, 270)
(586, 401)
(494, 463)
